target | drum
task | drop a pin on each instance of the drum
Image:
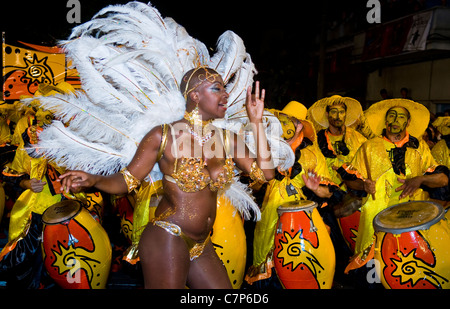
(412, 246)
(76, 249)
(94, 204)
(304, 255)
(2, 201)
(229, 241)
(124, 206)
(445, 205)
(348, 214)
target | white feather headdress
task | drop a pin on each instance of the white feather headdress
(130, 61)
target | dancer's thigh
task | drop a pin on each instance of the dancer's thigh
(164, 259)
(208, 271)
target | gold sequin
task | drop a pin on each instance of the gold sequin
(190, 176)
(131, 181)
(257, 176)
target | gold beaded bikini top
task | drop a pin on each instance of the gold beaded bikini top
(190, 174)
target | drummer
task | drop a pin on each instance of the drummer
(308, 179)
(337, 140)
(441, 153)
(394, 167)
(19, 258)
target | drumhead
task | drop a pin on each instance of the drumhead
(61, 211)
(296, 206)
(408, 216)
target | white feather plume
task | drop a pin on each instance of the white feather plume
(130, 60)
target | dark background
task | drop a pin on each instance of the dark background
(281, 36)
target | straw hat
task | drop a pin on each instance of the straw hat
(420, 116)
(6, 106)
(48, 90)
(317, 113)
(297, 110)
(442, 124)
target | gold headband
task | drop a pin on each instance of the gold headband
(208, 77)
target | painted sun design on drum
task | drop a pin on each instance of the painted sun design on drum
(411, 269)
(127, 227)
(297, 250)
(76, 259)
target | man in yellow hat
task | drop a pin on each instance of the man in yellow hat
(394, 167)
(441, 151)
(307, 179)
(337, 140)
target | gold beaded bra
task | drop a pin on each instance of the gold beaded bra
(190, 174)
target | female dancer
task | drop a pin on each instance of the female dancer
(196, 159)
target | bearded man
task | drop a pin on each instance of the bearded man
(394, 167)
(337, 140)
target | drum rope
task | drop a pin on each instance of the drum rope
(72, 239)
(399, 254)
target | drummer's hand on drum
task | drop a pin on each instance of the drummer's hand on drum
(76, 181)
(409, 186)
(33, 184)
(37, 185)
(312, 181)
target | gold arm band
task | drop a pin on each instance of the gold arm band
(162, 146)
(257, 176)
(131, 181)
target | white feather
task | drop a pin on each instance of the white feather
(130, 61)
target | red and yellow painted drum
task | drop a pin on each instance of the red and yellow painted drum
(304, 254)
(76, 249)
(446, 205)
(349, 228)
(229, 241)
(2, 201)
(413, 246)
(94, 204)
(124, 205)
(348, 214)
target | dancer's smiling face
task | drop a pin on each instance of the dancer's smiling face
(205, 88)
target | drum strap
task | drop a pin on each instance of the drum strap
(52, 177)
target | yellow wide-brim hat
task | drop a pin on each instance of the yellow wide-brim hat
(420, 116)
(442, 124)
(6, 106)
(297, 110)
(317, 113)
(48, 90)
